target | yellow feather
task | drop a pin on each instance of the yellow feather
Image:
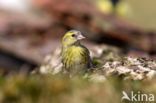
(75, 57)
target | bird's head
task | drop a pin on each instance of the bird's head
(72, 37)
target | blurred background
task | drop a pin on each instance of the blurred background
(31, 29)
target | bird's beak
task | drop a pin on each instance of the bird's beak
(80, 37)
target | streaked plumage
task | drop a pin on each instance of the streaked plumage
(75, 57)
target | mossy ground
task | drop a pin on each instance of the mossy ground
(21, 88)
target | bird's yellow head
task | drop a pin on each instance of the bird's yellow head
(72, 37)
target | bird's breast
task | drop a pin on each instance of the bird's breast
(74, 56)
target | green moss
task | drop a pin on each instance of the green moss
(106, 52)
(60, 89)
(96, 62)
(110, 60)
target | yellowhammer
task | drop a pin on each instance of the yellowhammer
(75, 57)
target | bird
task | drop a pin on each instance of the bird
(76, 58)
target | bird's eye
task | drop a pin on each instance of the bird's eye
(73, 35)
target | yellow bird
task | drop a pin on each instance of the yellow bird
(75, 57)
